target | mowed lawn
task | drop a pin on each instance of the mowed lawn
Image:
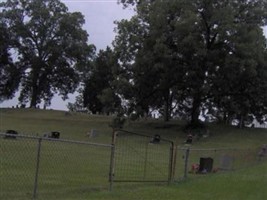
(246, 184)
(71, 171)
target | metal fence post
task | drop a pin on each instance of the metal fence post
(186, 163)
(171, 163)
(37, 169)
(111, 170)
(112, 160)
(174, 161)
(145, 167)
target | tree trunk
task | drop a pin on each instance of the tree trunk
(241, 121)
(34, 96)
(167, 105)
(166, 112)
(35, 86)
(195, 112)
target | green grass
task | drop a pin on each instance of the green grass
(71, 125)
(247, 184)
(70, 171)
(76, 125)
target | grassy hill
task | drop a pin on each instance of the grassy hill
(75, 162)
(72, 126)
(75, 126)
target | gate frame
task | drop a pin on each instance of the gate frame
(172, 159)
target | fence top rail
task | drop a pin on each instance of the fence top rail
(142, 135)
(55, 140)
(213, 149)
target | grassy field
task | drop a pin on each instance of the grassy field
(71, 171)
(249, 184)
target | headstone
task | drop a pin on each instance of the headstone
(93, 133)
(205, 165)
(263, 152)
(11, 134)
(189, 139)
(226, 162)
(55, 135)
(155, 139)
(46, 135)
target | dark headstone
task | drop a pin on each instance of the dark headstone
(11, 134)
(205, 165)
(189, 139)
(55, 135)
(155, 139)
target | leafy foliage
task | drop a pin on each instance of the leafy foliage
(9, 72)
(196, 55)
(51, 46)
(99, 94)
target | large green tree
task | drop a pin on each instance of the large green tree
(9, 72)
(190, 44)
(147, 51)
(99, 94)
(241, 85)
(50, 45)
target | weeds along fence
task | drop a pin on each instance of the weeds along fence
(141, 158)
(191, 162)
(34, 167)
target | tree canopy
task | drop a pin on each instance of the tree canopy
(99, 93)
(10, 73)
(50, 45)
(196, 55)
(183, 58)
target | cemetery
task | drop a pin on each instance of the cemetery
(131, 99)
(136, 157)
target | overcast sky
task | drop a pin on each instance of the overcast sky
(99, 22)
(99, 16)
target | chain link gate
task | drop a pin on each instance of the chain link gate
(141, 158)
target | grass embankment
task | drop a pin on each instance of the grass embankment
(73, 126)
(76, 126)
(61, 162)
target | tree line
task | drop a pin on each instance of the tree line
(181, 58)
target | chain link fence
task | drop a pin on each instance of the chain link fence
(35, 167)
(45, 168)
(191, 162)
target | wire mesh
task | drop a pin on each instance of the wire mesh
(138, 158)
(188, 161)
(17, 164)
(43, 168)
(61, 168)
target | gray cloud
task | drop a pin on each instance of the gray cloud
(99, 22)
(100, 16)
